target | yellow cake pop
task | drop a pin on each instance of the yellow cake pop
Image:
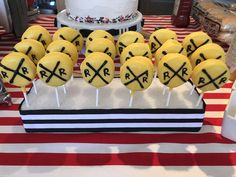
(55, 69)
(208, 51)
(170, 46)
(98, 69)
(32, 48)
(128, 38)
(101, 45)
(17, 69)
(71, 35)
(210, 75)
(159, 37)
(38, 33)
(137, 73)
(195, 40)
(99, 34)
(174, 70)
(135, 49)
(64, 47)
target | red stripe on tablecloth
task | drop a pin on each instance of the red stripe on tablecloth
(216, 96)
(137, 159)
(10, 121)
(113, 138)
(213, 121)
(215, 107)
(6, 107)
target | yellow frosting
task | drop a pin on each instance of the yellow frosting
(170, 46)
(64, 47)
(128, 38)
(195, 40)
(32, 48)
(55, 69)
(210, 75)
(174, 70)
(135, 49)
(17, 69)
(208, 51)
(101, 45)
(71, 35)
(38, 33)
(159, 37)
(99, 34)
(98, 69)
(137, 73)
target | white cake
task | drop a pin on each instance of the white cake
(101, 11)
(114, 16)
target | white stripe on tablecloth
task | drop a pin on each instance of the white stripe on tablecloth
(118, 171)
(116, 148)
(216, 101)
(204, 129)
(214, 114)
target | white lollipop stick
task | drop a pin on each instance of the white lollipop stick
(57, 97)
(97, 97)
(199, 100)
(155, 75)
(26, 99)
(164, 90)
(131, 99)
(193, 88)
(168, 98)
(72, 78)
(64, 89)
(34, 86)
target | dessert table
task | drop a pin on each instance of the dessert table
(137, 154)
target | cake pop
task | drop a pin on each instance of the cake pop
(137, 75)
(98, 70)
(38, 33)
(99, 34)
(135, 49)
(208, 51)
(17, 69)
(170, 46)
(195, 40)
(210, 75)
(55, 69)
(71, 35)
(32, 48)
(101, 45)
(128, 38)
(64, 47)
(159, 37)
(174, 70)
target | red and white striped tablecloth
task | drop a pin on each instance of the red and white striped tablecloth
(205, 153)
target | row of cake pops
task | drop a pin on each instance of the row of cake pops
(51, 72)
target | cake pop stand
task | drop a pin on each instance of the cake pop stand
(78, 111)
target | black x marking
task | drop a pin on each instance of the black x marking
(97, 72)
(212, 81)
(39, 39)
(122, 46)
(53, 72)
(132, 55)
(16, 72)
(175, 73)
(189, 47)
(107, 51)
(73, 40)
(136, 78)
(153, 45)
